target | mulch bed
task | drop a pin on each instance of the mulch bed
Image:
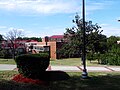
(44, 78)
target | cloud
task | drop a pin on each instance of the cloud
(94, 6)
(39, 6)
(104, 25)
(18, 29)
(30, 34)
(53, 31)
(48, 6)
(3, 27)
(36, 33)
(48, 31)
(118, 19)
(111, 31)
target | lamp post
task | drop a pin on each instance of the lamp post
(81, 25)
(84, 73)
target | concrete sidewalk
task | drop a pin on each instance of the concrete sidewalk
(89, 68)
(4, 67)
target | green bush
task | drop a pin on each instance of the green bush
(114, 59)
(1, 54)
(32, 65)
(5, 54)
(110, 58)
(104, 58)
(91, 56)
(114, 55)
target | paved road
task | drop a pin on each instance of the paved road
(4, 67)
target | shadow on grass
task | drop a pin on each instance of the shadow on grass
(100, 82)
(107, 82)
(54, 76)
(10, 85)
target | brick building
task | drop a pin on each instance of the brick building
(18, 45)
(54, 46)
(55, 42)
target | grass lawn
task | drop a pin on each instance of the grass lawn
(67, 62)
(72, 62)
(7, 61)
(98, 81)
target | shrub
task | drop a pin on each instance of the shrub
(110, 59)
(92, 56)
(114, 59)
(5, 54)
(32, 65)
(1, 54)
(113, 56)
(104, 58)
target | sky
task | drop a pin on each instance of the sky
(40, 18)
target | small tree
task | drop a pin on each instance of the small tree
(10, 37)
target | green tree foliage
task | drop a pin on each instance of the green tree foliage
(1, 37)
(95, 41)
(112, 56)
(112, 40)
(39, 39)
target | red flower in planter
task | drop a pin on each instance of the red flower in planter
(21, 78)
